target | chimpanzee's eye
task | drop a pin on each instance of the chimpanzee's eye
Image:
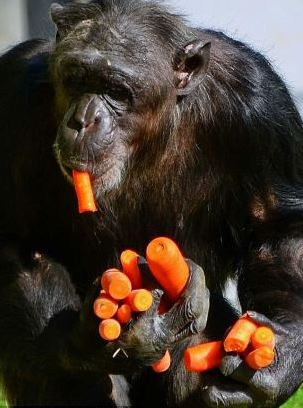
(118, 98)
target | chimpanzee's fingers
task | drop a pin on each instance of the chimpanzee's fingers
(196, 281)
(148, 280)
(264, 321)
(153, 310)
(230, 363)
(189, 314)
(259, 381)
(229, 395)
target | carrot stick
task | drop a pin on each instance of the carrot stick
(260, 358)
(130, 267)
(84, 191)
(239, 336)
(109, 329)
(163, 364)
(116, 284)
(263, 336)
(204, 357)
(168, 266)
(124, 313)
(105, 307)
(140, 300)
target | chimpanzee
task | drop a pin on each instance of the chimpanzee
(186, 133)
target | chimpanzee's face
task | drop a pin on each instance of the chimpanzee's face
(104, 85)
(114, 80)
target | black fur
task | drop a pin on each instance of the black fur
(218, 169)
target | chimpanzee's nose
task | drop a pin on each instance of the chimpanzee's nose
(87, 114)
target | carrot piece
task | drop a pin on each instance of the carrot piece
(239, 336)
(130, 267)
(260, 358)
(116, 284)
(204, 357)
(105, 307)
(124, 313)
(140, 300)
(263, 336)
(163, 364)
(109, 329)
(168, 266)
(84, 191)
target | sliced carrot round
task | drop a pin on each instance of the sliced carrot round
(105, 307)
(260, 358)
(116, 284)
(109, 329)
(140, 300)
(124, 313)
(263, 336)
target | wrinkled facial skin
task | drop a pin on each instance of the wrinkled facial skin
(101, 87)
(118, 82)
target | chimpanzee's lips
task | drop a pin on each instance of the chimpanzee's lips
(68, 168)
(68, 165)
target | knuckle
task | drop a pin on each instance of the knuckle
(194, 328)
(268, 387)
(213, 398)
(192, 312)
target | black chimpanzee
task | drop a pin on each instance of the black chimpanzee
(186, 133)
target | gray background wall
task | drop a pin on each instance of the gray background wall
(272, 26)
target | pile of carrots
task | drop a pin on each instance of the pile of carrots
(255, 344)
(122, 294)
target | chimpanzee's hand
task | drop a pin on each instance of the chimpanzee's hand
(267, 387)
(150, 334)
(146, 338)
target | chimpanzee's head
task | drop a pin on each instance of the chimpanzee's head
(120, 68)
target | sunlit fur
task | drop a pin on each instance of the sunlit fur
(219, 170)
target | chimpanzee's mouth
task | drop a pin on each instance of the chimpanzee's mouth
(67, 166)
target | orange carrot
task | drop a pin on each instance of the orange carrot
(116, 284)
(109, 329)
(260, 358)
(163, 364)
(84, 191)
(124, 313)
(130, 267)
(105, 307)
(168, 266)
(263, 336)
(239, 336)
(140, 300)
(204, 357)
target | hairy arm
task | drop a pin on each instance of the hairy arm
(42, 360)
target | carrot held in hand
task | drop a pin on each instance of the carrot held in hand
(139, 300)
(170, 269)
(163, 364)
(263, 336)
(130, 267)
(105, 307)
(168, 266)
(109, 329)
(124, 314)
(239, 336)
(116, 284)
(260, 358)
(204, 357)
(84, 191)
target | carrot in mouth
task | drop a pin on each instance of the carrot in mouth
(84, 191)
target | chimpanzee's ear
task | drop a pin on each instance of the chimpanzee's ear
(190, 65)
(63, 19)
(57, 15)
